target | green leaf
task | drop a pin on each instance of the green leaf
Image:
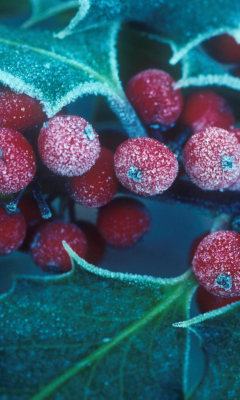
(219, 333)
(94, 334)
(56, 72)
(184, 24)
(201, 70)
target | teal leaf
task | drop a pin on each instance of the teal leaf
(94, 334)
(201, 70)
(219, 334)
(56, 72)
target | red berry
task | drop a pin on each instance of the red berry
(223, 48)
(123, 222)
(216, 263)
(212, 158)
(154, 98)
(33, 217)
(97, 186)
(207, 301)
(96, 245)
(145, 166)
(68, 145)
(47, 249)
(17, 161)
(195, 244)
(12, 231)
(19, 111)
(204, 109)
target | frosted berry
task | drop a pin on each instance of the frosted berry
(68, 145)
(195, 244)
(216, 263)
(33, 217)
(123, 222)
(47, 249)
(212, 158)
(97, 186)
(12, 231)
(17, 161)
(236, 185)
(96, 245)
(204, 109)
(19, 111)
(145, 166)
(223, 48)
(154, 98)
(207, 301)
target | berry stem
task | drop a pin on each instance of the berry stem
(127, 116)
(221, 223)
(11, 205)
(42, 204)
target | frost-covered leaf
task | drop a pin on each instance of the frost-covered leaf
(43, 9)
(185, 24)
(200, 70)
(94, 334)
(56, 72)
(219, 332)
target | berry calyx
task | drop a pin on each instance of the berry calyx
(207, 301)
(47, 249)
(97, 186)
(96, 245)
(223, 48)
(17, 161)
(145, 166)
(123, 222)
(216, 263)
(211, 158)
(19, 111)
(12, 231)
(154, 98)
(204, 109)
(68, 145)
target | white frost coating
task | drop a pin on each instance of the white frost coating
(204, 80)
(134, 278)
(84, 6)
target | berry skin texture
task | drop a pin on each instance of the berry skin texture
(12, 231)
(47, 249)
(211, 159)
(223, 48)
(19, 111)
(17, 161)
(123, 222)
(207, 301)
(96, 245)
(154, 98)
(204, 109)
(97, 186)
(145, 166)
(216, 263)
(68, 145)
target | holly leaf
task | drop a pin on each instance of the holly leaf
(219, 333)
(94, 334)
(184, 25)
(198, 69)
(56, 72)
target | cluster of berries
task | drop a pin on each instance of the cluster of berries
(206, 143)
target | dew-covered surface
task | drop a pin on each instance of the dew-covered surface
(216, 263)
(12, 231)
(47, 249)
(212, 158)
(219, 334)
(17, 161)
(123, 222)
(68, 145)
(119, 325)
(154, 98)
(157, 164)
(97, 186)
